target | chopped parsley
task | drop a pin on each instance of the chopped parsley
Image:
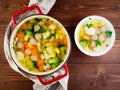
(98, 43)
(89, 25)
(90, 18)
(107, 45)
(108, 33)
(37, 19)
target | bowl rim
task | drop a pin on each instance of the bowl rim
(13, 53)
(77, 30)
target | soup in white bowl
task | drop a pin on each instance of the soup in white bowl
(94, 35)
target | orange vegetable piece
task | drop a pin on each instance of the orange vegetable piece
(41, 68)
(20, 35)
(64, 40)
(34, 52)
(40, 62)
(25, 26)
(29, 46)
(55, 43)
(47, 23)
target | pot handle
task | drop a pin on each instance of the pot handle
(24, 11)
(56, 78)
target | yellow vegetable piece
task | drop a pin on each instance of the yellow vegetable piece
(57, 50)
(97, 23)
(87, 37)
(82, 32)
(29, 45)
(49, 44)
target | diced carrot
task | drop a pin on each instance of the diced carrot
(25, 43)
(65, 40)
(29, 46)
(34, 52)
(25, 26)
(41, 68)
(54, 43)
(40, 62)
(47, 23)
(20, 35)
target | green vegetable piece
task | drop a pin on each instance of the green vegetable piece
(108, 33)
(44, 27)
(53, 66)
(16, 48)
(34, 64)
(28, 34)
(98, 43)
(90, 18)
(40, 48)
(31, 28)
(85, 44)
(31, 64)
(41, 30)
(51, 35)
(54, 60)
(62, 49)
(89, 25)
(37, 19)
(107, 45)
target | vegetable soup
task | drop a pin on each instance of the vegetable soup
(94, 35)
(40, 44)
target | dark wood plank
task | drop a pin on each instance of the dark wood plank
(94, 77)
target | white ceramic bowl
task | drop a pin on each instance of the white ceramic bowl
(88, 52)
(13, 53)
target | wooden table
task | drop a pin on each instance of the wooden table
(86, 73)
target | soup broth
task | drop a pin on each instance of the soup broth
(94, 35)
(40, 44)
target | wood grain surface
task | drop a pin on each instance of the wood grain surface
(86, 73)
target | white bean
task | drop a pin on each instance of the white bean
(27, 52)
(101, 37)
(33, 58)
(20, 45)
(94, 37)
(36, 28)
(38, 36)
(32, 41)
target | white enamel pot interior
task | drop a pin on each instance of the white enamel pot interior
(13, 53)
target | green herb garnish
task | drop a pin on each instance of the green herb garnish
(37, 19)
(98, 43)
(108, 34)
(89, 25)
(90, 18)
(107, 45)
